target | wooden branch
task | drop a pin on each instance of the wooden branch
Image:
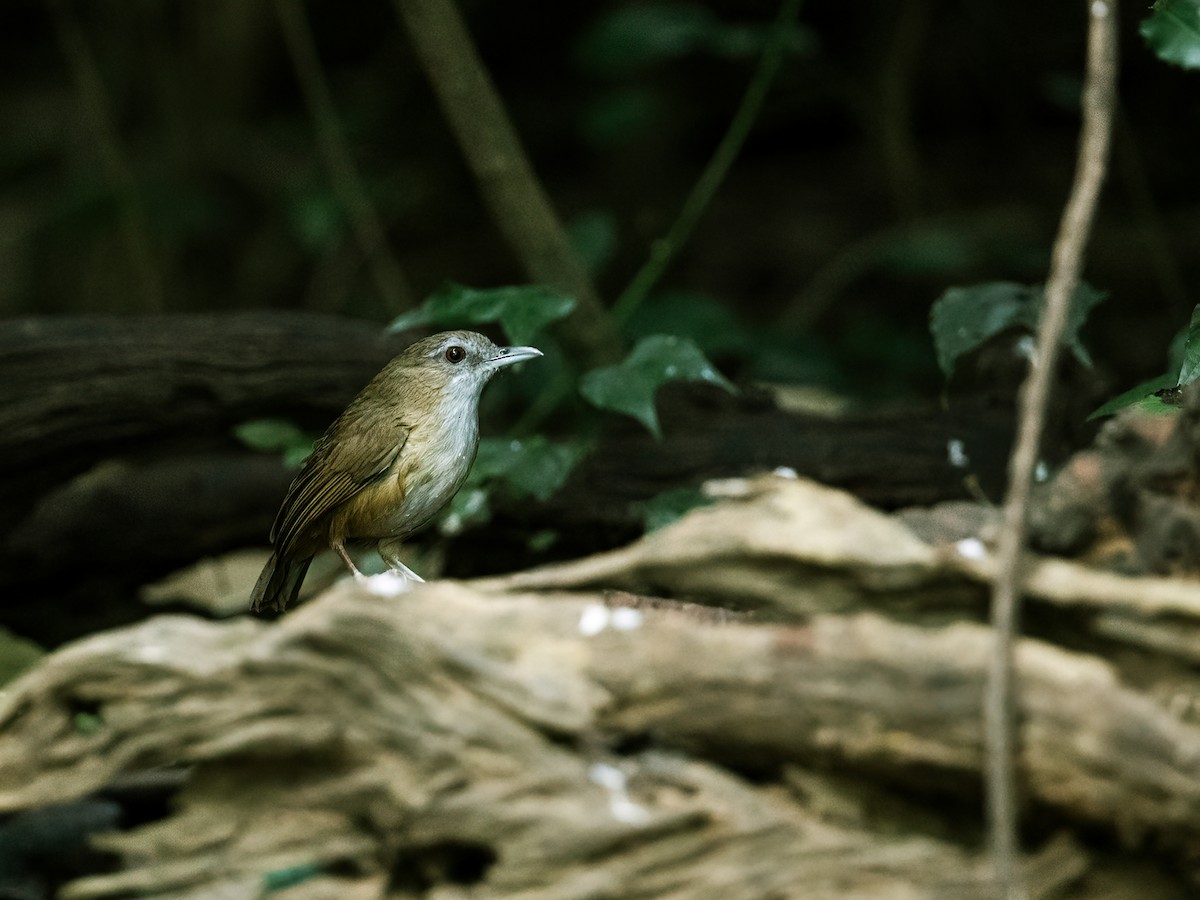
(1099, 102)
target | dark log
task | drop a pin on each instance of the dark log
(109, 422)
(84, 390)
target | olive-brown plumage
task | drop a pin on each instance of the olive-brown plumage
(384, 468)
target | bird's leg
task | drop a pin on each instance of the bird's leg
(389, 550)
(340, 550)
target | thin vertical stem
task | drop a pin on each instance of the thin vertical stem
(1099, 101)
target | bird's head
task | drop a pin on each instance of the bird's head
(461, 362)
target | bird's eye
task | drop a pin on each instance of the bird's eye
(455, 354)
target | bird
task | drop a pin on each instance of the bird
(388, 463)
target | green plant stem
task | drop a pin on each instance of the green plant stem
(1099, 101)
(97, 114)
(385, 270)
(664, 250)
(510, 188)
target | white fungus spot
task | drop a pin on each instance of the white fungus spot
(1041, 471)
(1099, 9)
(152, 653)
(1026, 347)
(593, 620)
(386, 584)
(607, 776)
(622, 806)
(626, 811)
(956, 452)
(785, 472)
(971, 548)
(626, 619)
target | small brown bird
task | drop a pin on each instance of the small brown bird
(394, 458)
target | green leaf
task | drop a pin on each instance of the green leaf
(522, 311)
(87, 723)
(468, 508)
(639, 35)
(630, 386)
(541, 541)
(282, 879)
(622, 114)
(17, 655)
(276, 435)
(670, 506)
(531, 467)
(1085, 299)
(268, 434)
(1173, 32)
(964, 318)
(1135, 396)
(1189, 369)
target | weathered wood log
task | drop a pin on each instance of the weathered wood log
(457, 736)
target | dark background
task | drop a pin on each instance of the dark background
(905, 148)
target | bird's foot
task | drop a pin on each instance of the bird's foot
(400, 570)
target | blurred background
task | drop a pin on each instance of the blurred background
(161, 157)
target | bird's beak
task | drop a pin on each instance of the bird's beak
(509, 355)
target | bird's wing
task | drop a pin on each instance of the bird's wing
(343, 462)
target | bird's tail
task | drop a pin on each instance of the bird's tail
(279, 583)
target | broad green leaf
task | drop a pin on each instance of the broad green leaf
(522, 311)
(268, 434)
(964, 318)
(638, 35)
(531, 467)
(468, 508)
(541, 541)
(1189, 369)
(1086, 299)
(87, 723)
(669, 506)
(630, 386)
(1173, 32)
(1135, 396)
(17, 655)
(1164, 403)
(622, 114)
